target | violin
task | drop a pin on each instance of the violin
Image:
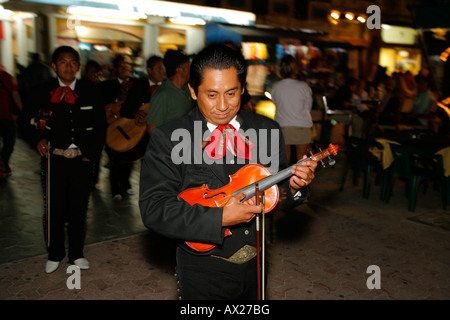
(245, 180)
(44, 115)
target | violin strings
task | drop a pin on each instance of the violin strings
(316, 157)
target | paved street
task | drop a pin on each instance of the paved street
(320, 251)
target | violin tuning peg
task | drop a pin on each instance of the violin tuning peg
(321, 161)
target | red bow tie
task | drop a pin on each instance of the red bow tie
(125, 87)
(63, 93)
(227, 137)
(153, 88)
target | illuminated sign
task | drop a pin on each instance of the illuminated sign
(142, 8)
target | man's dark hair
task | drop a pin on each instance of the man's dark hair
(93, 64)
(153, 60)
(219, 57)
(64, 49)
(118, 59)
(288, 66)
(172, 60)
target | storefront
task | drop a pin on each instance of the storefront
(17, 39)
(320, 64)
(102, 28)
(400, 50)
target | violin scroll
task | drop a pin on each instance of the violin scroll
(44, 115)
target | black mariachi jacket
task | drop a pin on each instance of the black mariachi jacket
(82, 123)
(138, 94)
(162, 180)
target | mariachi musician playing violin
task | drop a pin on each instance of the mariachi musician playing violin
(177, 162)
(67, 125)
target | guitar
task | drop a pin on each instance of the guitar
(124, 134)
(112, 111)
(245, 180)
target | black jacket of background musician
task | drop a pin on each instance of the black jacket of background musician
(162, 180)
(82, 123)
(138, 94)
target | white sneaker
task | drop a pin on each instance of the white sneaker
(82, 263)
(51, 266)
(117, 197)
(130, 191)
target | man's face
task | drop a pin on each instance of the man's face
(157, 72)
(219, 95)
(123, 70)
(93, 74)
(184, 71)
(66, 67)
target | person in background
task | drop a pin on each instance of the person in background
(35, 73)
(363, 119)
(67, 124)
(293, 100)
(425, 100)
(156, 72)
(342, 99)
(93, 73)
(10, 107)
(271, 77)
(172, 99)
(408, 88)
(115, 93)
(143, 89)
(139, 64)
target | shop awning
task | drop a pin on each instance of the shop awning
(262, 34)
(273, 35)
(217, 33)
(143, 8)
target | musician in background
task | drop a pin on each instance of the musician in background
(143, 90)
(9, 95)
(67, 126)
(217, 81)
(172, 99)
(156, 72)
(93, 73)
(115, 94)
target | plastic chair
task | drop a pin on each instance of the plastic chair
(415, 166)
(326, 130)
(360, 159)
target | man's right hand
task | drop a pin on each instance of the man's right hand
(42, 147)
(236, 212)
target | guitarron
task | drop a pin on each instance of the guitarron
(124, 134)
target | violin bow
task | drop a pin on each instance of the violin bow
(260, 244)
(47, 200)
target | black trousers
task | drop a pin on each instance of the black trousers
(8, 133)
(70, 187)
(119, 172)
(211, 278)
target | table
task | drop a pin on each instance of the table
(422, 139)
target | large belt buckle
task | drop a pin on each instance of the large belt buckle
(70, 153)
(243, 255)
